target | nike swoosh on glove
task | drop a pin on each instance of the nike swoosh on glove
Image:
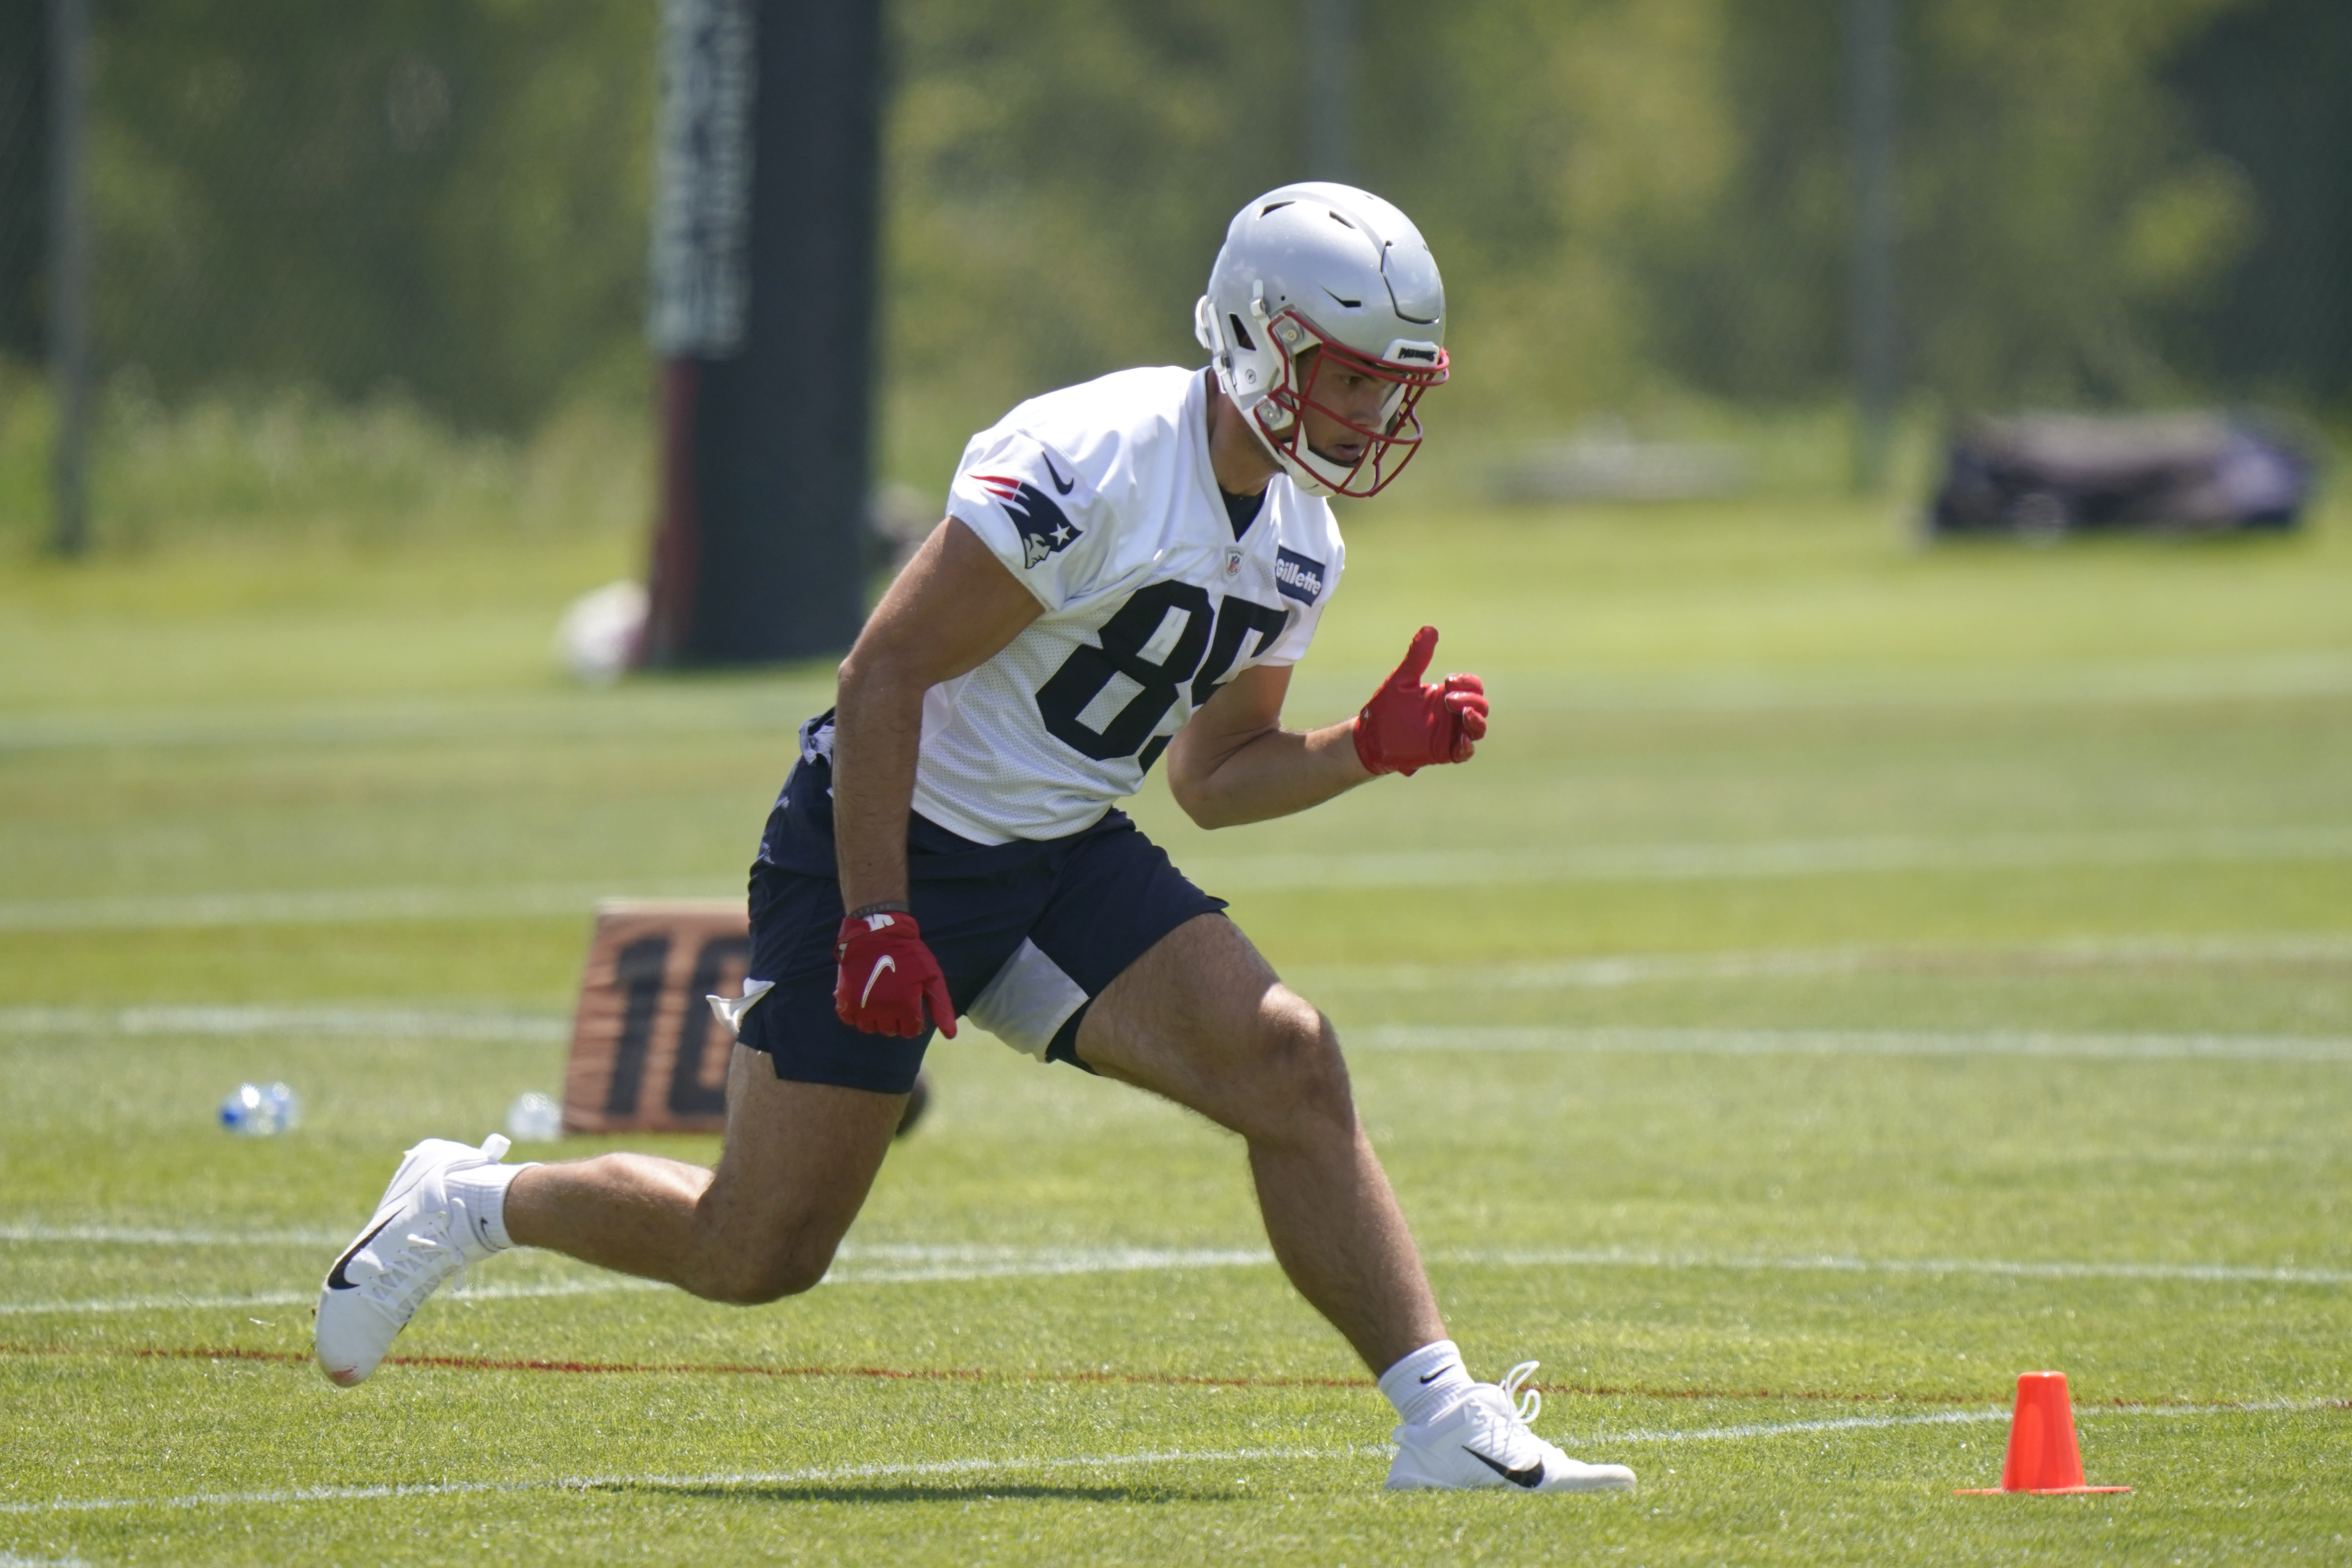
(1409, 724)
(885, 975)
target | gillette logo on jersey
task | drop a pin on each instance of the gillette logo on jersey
(1297, 577)
(1043, 527)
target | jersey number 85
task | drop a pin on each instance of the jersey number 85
(1217, 634)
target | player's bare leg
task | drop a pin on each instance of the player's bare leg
(798, 1161)
(1201, 1019)
(797, 1165)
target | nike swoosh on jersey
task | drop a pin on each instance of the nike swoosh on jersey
(1062, 487)
(881, 963)
(336, 1278)
(1530, 1477)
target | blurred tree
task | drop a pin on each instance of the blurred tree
(1553, 150)
(1631, 199)
(439, 194)
(1059, 176)
(1628, 199)
(2267, 84)
(23, 182)
(2055, 205)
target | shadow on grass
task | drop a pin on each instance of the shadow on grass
(975, 1491)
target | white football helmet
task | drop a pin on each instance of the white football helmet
(1336, 269)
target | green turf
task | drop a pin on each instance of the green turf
(1848, 977)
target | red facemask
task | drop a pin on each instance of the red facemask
(1387, 447)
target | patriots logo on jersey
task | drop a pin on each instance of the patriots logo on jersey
(1043, 529)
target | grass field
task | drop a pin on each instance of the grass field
(1847, 978)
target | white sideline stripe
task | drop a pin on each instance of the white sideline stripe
(1745, 1431)
(1938, 1418)
(1794, 857)
(1831, 1263)
(946, 1265)
(162, 1235)
(908, 1265)
(364, 1020)
(892, 1256)
(780, 705)
(373, 1022)
(913, 1469)
(2149, 683)
(1636, 969)
(1852, 1043)
(1411, 868)
(775, 708)
(304, 1298)
(161, 911)
(1795, 1428)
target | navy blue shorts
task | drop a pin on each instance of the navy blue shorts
(1027, 933)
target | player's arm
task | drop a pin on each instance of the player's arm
(953, 608)
(1235, 763)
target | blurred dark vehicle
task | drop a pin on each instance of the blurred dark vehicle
(2043, 477)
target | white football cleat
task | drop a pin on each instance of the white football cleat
(417, 1239)
(1483, 1441)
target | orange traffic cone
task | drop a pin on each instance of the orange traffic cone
(2043, 1456)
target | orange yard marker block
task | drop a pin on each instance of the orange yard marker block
(2044, 1458)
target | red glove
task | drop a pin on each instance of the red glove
(886, 975)
(1407, 725)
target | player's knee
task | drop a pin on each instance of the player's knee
(757, 1280)
(740, 1275)
(1300, 1071)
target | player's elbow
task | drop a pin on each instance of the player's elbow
(1206, 782)
(1197, 797)
(856, 672)
(873, 675)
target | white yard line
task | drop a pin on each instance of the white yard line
(1852, 1043)
(1749, 1430)
(890, 1265)
(1651, 968)
(395, 1021)
(612, 1285)
(1833, 1263)
(777, 710)
(2310, 844)
(166, 1235)
(1753, 1429)
(898, 1264)
(1782, 858)
(943, 1469)
(815, 1477)
(334, 1020)
(778, 706)
(302, 907)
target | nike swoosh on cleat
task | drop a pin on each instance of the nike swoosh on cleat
(1061, 485)
(336, 1278)
(1530, 1477)
(881, 963)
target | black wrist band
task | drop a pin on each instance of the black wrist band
(887, 907)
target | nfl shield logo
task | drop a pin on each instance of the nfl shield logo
(1232, 562)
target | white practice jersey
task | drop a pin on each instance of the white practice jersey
(1100, 498)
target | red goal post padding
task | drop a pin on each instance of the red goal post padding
(646, 1054)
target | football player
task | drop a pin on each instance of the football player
(1127, 573)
